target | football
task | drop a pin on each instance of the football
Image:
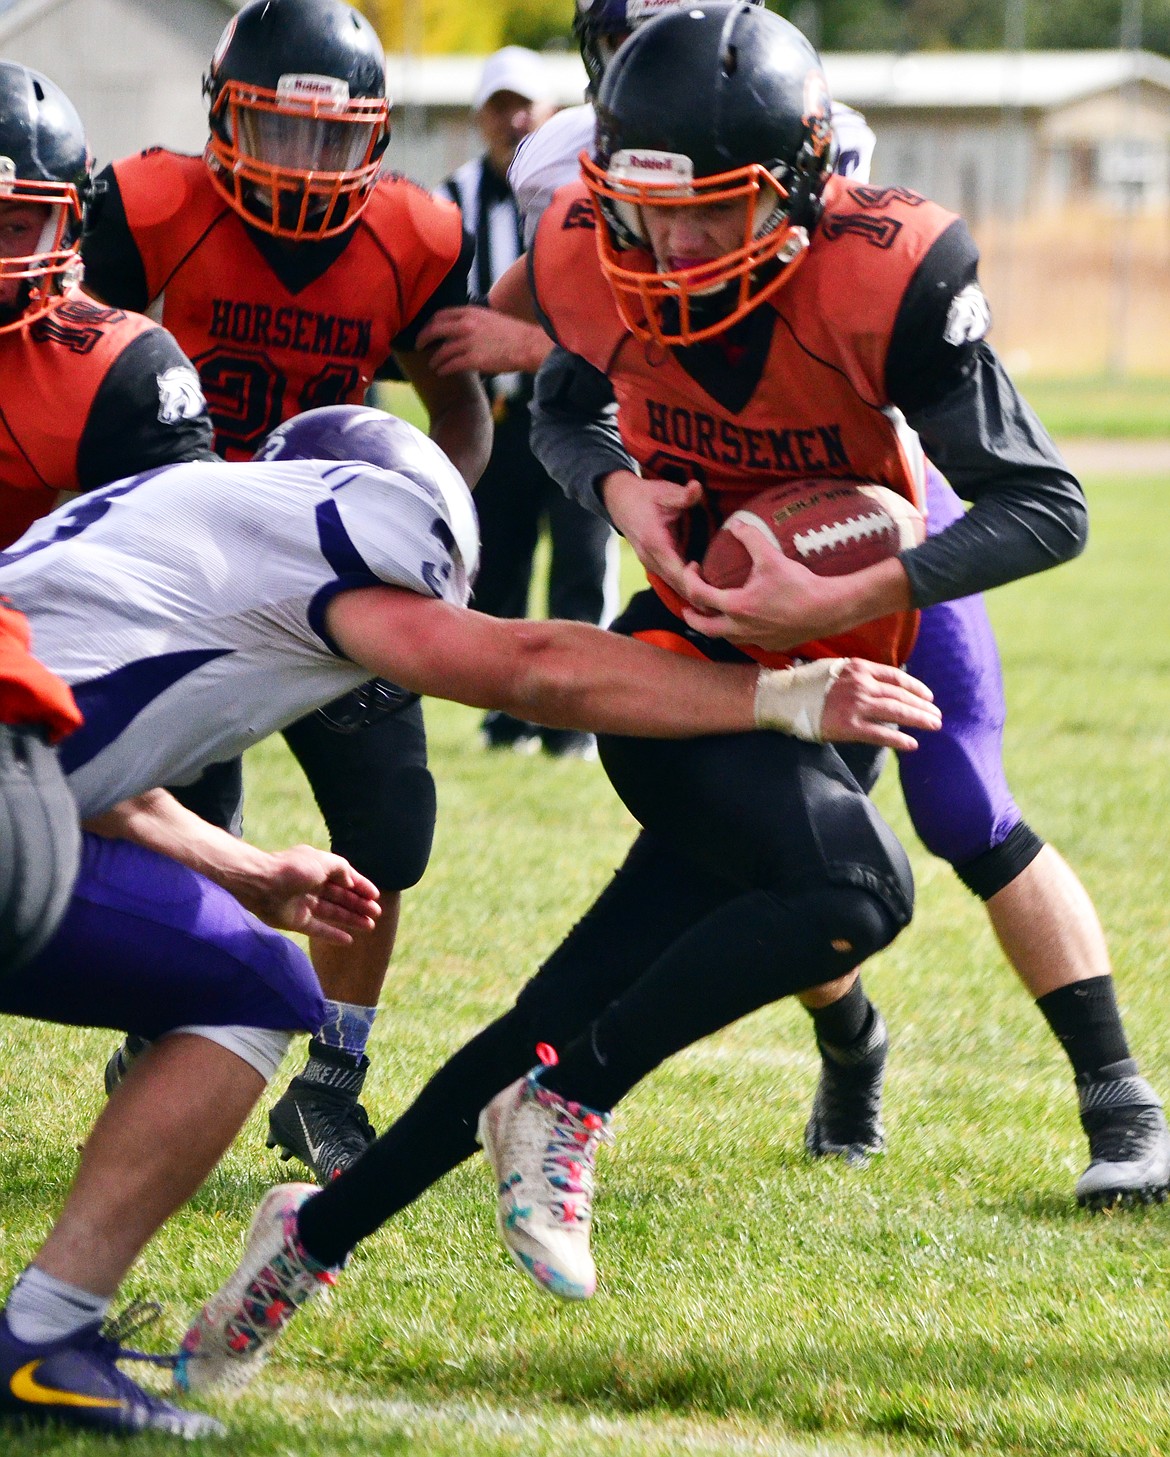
(830, 526)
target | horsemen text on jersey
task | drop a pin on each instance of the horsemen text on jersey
(269, 337)
(797, 389)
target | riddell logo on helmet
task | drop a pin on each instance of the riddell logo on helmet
(331, 89)
(639, 10)
(651, 169)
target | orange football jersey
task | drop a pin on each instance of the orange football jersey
(267, 349)
(50, 374)
(797, 390)
(29, 693)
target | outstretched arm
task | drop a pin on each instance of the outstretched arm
(571, 675)
(300, 889)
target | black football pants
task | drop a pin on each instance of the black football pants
(763, 870)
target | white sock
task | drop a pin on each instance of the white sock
(42, 1308)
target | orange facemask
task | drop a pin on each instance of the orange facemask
(55, 264)
(668, 307)
(298, 162)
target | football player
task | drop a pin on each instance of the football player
(138, 941)
(959, 800)
(749, 311)
(846, 1118)
(292, 272)
(90, 393)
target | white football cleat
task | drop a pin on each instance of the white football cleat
(542, 1149)
(228, 1341)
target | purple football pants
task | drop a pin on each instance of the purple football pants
(148, 945)
(954, 784)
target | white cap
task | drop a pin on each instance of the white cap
(513, 69)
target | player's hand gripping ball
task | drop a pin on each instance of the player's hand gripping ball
(830, 526)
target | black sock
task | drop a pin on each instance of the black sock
(845, 1021)
(433, 1136)
(1085, 1021)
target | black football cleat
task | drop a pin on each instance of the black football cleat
(120, 1060)
(1129, 1144)
(76, 1382)
(846, 1118)
(319, 1119)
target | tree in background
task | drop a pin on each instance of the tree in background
(856, 25)
(438, 26)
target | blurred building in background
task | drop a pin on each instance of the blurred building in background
(1015, 132)
(133, 68)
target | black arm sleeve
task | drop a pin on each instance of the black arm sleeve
(574, 428)
(113, 264)
(1028, 509)
(124, 433)
(451, 293)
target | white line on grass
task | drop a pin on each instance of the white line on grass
(667, 1432)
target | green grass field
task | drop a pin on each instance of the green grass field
(948, 1298)
(1113, 409)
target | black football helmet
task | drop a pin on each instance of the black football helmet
(601, 25)
(708, 106)
(44, 186)
(299, 115)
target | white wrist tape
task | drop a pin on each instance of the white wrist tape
(792, 700)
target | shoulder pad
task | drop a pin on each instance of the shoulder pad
(435, 224)
(159, 186)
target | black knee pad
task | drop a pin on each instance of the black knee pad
(990, 872)
(846, 926)
(388, 837)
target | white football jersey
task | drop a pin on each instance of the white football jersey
(547, 159)
(186, 606)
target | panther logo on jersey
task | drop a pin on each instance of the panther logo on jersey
(180, 396)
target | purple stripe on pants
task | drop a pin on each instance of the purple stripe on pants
(148, 945)
(954, 784)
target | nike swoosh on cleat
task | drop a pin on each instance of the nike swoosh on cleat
(314, 1149)
(25, 1387)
